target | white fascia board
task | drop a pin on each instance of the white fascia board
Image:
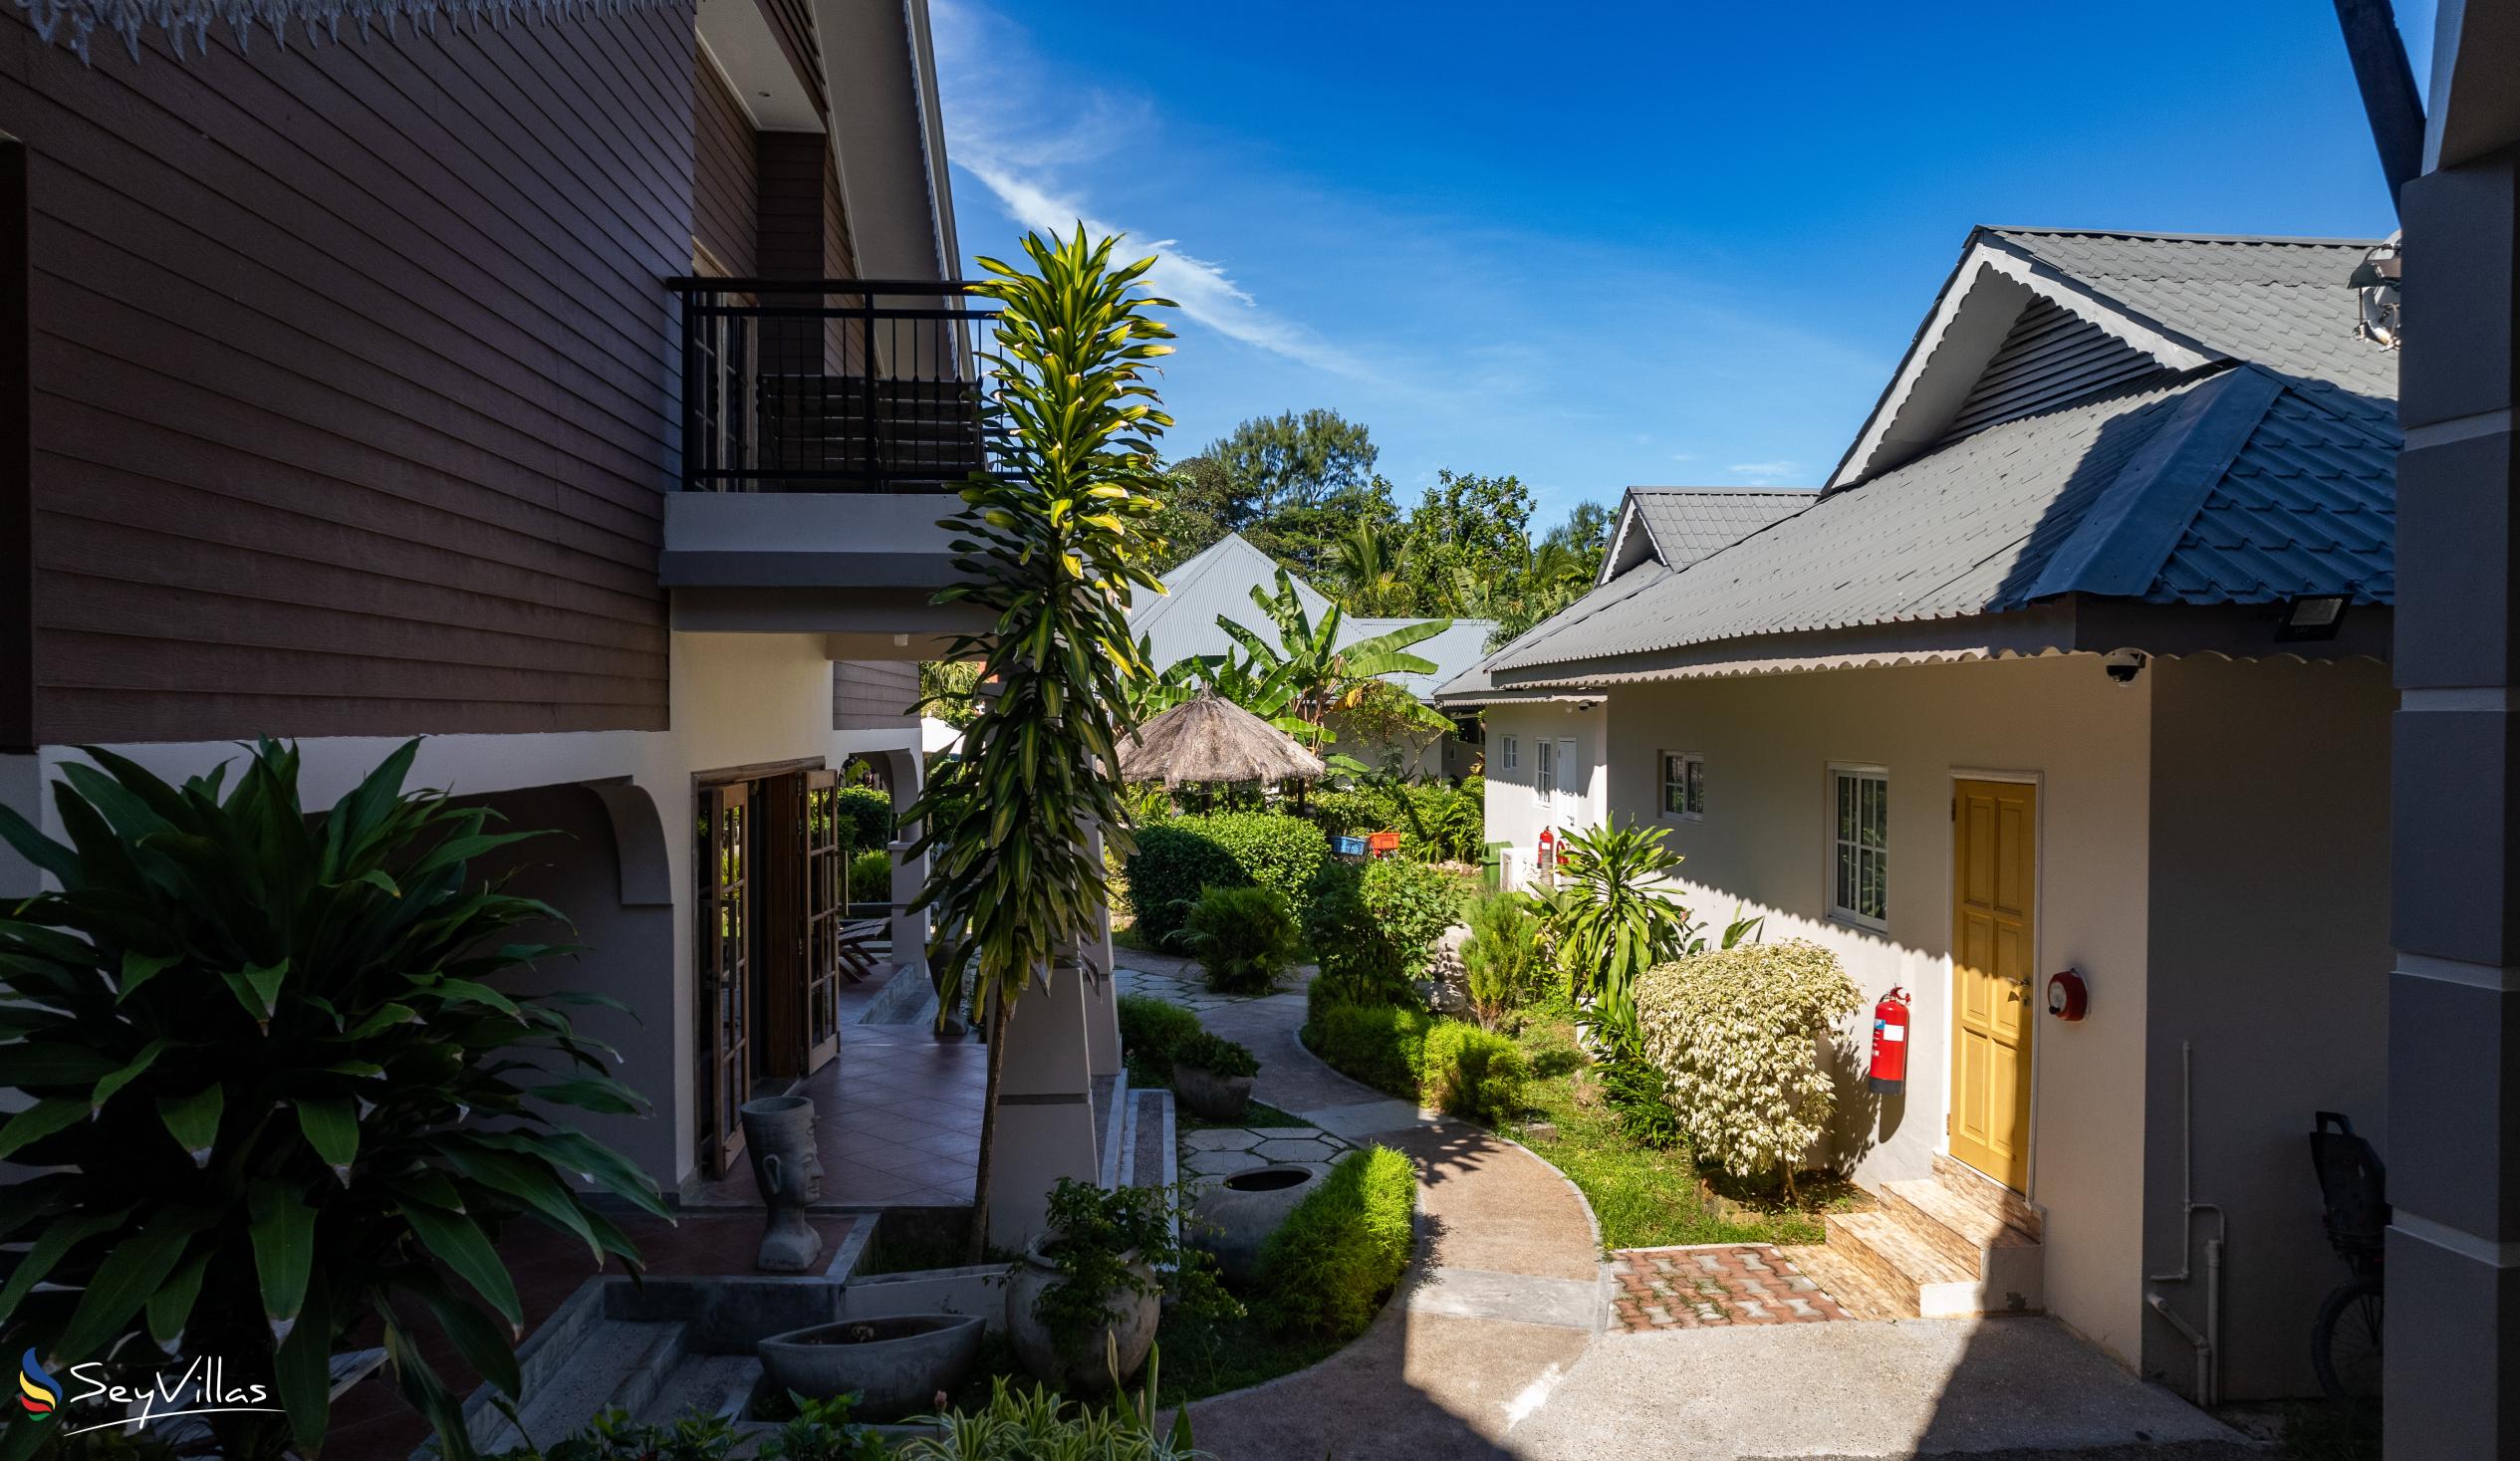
(1631, 517)
(1967, 327)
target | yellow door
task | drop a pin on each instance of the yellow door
(1994, 888)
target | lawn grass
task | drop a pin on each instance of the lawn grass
(1644, 1198)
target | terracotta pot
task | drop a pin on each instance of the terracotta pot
(894, 1365)
(1235, 1218)
(1131, 1324)
(1208, 1095)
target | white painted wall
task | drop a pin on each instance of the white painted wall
(735, 700)
(1763, 846)
(1516, 813)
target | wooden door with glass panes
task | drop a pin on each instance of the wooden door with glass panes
(825, 915)
(725, 982)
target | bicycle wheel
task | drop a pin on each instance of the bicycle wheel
(2345, 1342)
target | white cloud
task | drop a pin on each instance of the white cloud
(1764, 473)
(1014, 137)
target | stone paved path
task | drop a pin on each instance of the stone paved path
(1702, 1287)
(1506, 1290)
(1221, 1151)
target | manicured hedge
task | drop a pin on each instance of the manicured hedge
(1383, 1045)
(1350, 813)
(870, 876)
(1473, 1073)
(1178, 859)
(1343, 1250)
(1149, 1031)
(866, 816)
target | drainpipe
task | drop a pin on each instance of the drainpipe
(2209, 1344)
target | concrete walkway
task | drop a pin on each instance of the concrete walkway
(1499, 1344)
(1506, 1290)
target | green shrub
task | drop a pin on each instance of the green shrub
(1738, 1033)
(1383, 1045)
(1149, 1031)
(1373, 928)
(866, 816)
(1506, 960)
(1177, 860)
(1349, 813)
(1215, 1054)
(1273, 849)
(1245, 937)
(1640, 1097)
(1443, 823)
(1343, 1250)
(870, 876)
(1474, 1072)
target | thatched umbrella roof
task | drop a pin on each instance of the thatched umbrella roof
(1206, 739)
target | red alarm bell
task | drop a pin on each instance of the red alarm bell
(1890, 1043)
(2069, 998)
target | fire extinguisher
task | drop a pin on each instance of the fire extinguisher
(1890, 1043)
(1548, 847)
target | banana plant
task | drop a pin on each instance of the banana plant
(277, 1091)
(1322, 673)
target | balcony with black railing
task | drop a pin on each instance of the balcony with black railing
(821, 422)
(833, 385)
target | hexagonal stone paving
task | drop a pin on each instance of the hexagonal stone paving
(1223, 1152)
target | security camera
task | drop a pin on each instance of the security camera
(2123, 667)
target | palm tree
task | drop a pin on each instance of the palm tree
(1368, 560)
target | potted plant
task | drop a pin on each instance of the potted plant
(1083, 1303)
(1214, 1076)
(1237, 1216)
(894, 1365)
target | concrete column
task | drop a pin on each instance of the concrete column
(1045, 1108)
(1101, 995)
(910, 874)
(2454, 1343)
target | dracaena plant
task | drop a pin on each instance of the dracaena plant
(276, 1090)
(1050, 548)
(1611, 921)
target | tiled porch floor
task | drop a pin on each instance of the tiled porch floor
(897, 1117)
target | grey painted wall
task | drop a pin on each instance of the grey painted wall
(2270, 956)
(628, 956)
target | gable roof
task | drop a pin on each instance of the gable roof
(2229, 481)
(1181, 623)
(2179, 301)
(1678, 526)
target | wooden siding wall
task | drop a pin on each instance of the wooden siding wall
(874, 694)
(17, 460)
(355, 382)
(726, 188)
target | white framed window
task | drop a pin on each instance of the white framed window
(1544, 774)
(1684, 785)
(1859, 864)
(1512, 755)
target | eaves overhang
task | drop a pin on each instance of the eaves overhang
(2075, 624)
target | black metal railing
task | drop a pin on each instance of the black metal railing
(833, 385)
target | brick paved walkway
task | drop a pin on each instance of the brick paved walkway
(1709, 1287)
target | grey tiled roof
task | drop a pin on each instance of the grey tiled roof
(2306, 506)
(2236, 483)
(2281, 302)
(1688, 523)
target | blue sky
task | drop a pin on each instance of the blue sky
(1659, 243)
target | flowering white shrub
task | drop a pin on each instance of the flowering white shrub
(1738, 1033)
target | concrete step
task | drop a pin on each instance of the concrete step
(1905, 1261)
(616, 1365)
(1856, 1290)
(706, 1384)
(1966, 1228)
(1988, 1195)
